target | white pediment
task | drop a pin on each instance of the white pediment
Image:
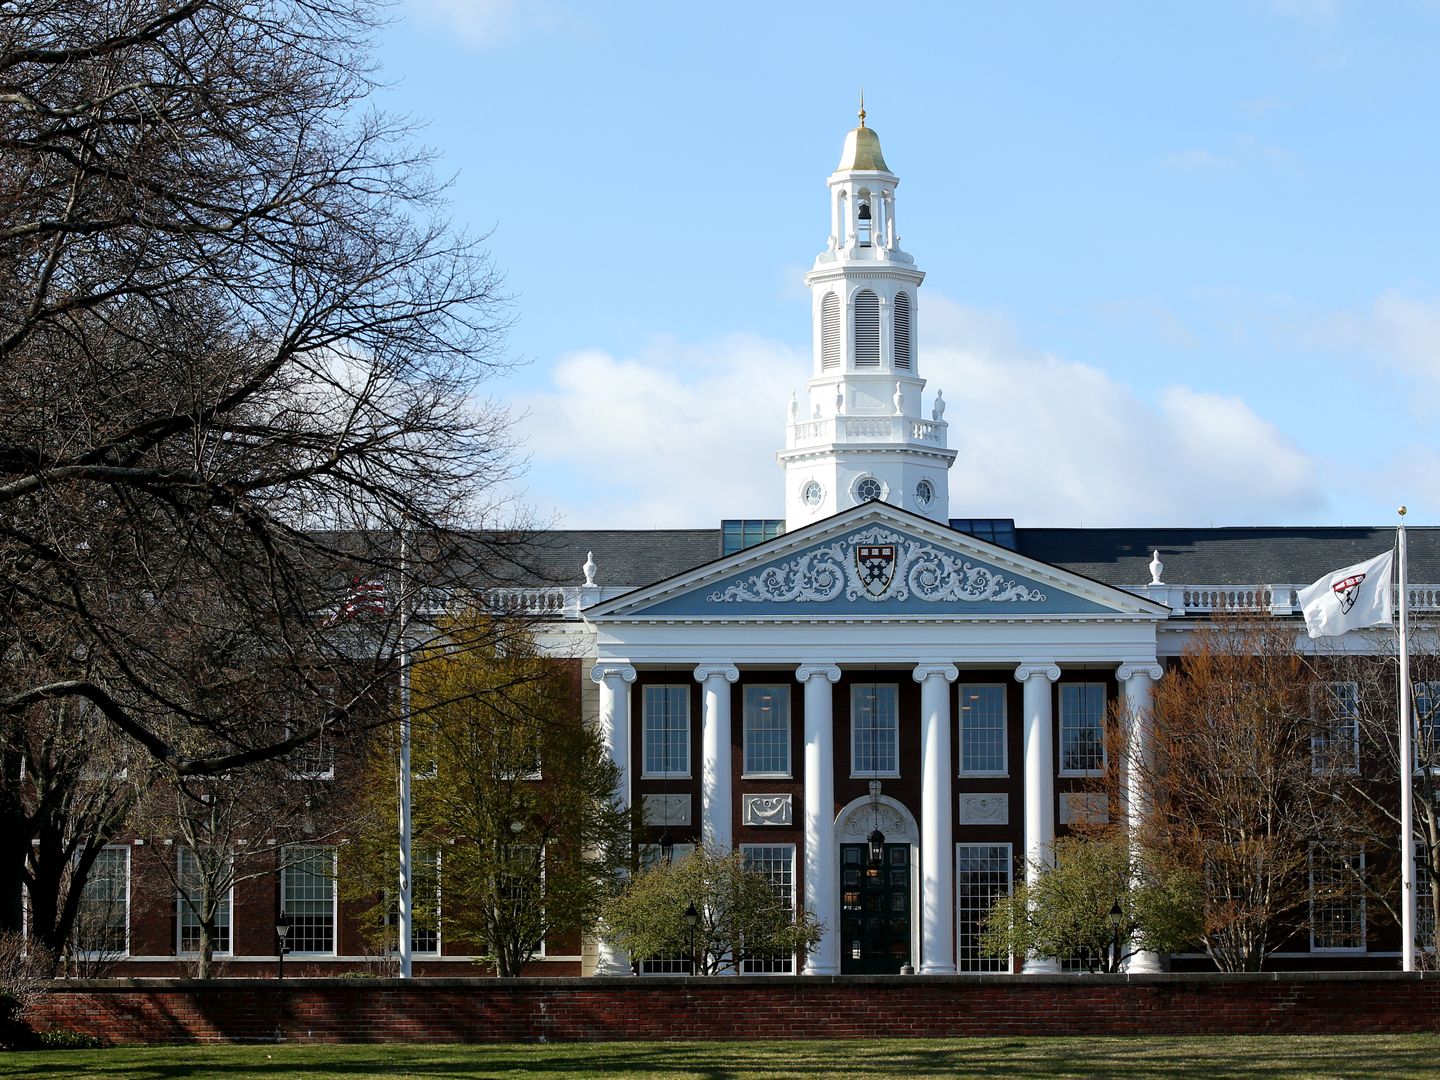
(875, 561)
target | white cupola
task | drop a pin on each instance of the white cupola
(862, 434)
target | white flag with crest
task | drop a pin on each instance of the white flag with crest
(1356, 596)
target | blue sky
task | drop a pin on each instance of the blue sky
(1181, 259)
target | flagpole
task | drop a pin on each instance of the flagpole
(1407, 766)
(406, 907)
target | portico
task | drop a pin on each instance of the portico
(768, 690)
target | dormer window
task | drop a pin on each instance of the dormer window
(862, 232)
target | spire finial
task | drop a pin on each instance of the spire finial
(862, 104)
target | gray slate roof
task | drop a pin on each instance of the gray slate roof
(1260, 555)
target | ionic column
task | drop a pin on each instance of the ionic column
(715, 799)
(822, 856)
(1039, 779)
(613, 678)
(937, 843)
(1137, 682)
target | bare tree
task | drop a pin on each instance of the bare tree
(1236, 796)
(1369, 686)
(239, 348)
(71, 793)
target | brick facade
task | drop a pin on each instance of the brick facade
(488, 1010)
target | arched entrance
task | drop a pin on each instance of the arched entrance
(878, 934)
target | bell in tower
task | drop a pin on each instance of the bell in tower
(863, 436)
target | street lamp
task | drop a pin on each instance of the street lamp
(1115, 916)
(876, 840)
(282, 931)
(692, 920)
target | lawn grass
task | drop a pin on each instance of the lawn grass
(1361, 1056)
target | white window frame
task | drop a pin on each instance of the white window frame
(855, 691)
(182, 910)
(1315, 947)
(107, 953)
(995, 965)
(288, 865)
(392, 905)
(664, 965)
(1004, 769)
(780, 690)
(317, 744)
(645, 771)
(1327, 711)
(1429, 692)
(746, 850)
(1100, 720)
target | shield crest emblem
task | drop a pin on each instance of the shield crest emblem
(1347, 590)
(875, 564)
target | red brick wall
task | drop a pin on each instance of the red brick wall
(471, 1010)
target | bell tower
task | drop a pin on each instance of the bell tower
(860, 434)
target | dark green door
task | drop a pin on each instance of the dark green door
(874, 910)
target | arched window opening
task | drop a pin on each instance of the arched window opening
(862, 229)
(867, 329)
(902, 330)
(830, 332)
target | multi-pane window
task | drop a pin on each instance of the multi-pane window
(874, 729)
(308, 898)
(668, 963)
(767, 731)
(1082, 729)
(314, 760)
(1335, 745)
(425, 902)
(777, 863)
(982, 729)
(1426, 701)
(1337, 899)
(1424, 900)
(190, 900)
(102, 922)
(665, 730)
(982, 876)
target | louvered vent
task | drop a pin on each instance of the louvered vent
(830, 332)
(867, 329)
(902, 330)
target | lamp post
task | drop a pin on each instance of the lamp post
(692, 920)
(1115, 916)
(282, 931)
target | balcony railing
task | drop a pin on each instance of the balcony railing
(867, 429)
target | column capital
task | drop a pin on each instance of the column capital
(805, 672)
(949, 672)
(1131, 668)
(717, 669)
(1030, 671)
(612, 669)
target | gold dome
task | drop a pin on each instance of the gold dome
(862, 151)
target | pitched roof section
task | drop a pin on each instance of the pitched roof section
(1280, 555)
(875, 560)
(1119, 557)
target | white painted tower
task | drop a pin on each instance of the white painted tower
(862, 435)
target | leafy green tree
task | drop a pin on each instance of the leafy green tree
(1063, 912)
(738, 914)
(514, 794)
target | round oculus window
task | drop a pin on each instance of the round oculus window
(812, 493)
(868, 489)
(924, 493)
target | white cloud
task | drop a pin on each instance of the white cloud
(680, 435)
(1398, 331)
(683, 435)
(483, 24)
